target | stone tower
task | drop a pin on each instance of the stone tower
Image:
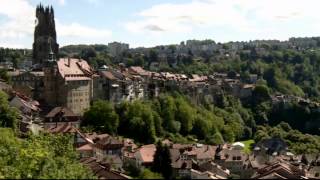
(45, 37)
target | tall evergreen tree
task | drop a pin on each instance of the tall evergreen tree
(162, 161)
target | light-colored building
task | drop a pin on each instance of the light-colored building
(116, 48)
(68, 83)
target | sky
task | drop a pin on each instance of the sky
(149, 23)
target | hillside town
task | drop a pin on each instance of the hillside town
(52, 94)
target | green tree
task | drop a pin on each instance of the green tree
(39, 158)
(141, 122)
(185, 114)
(147, 174)
(216, 139)
(8, 115)
(102, 117)
(162, 161)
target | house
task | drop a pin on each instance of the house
(313, 172)
(117, 86)
(102, 170)
(280, 170)
(26, 105)
(29, 83)
(180, 164)
(109, 149)
(60, 128)
(61, 115)
(108, 146)
(210, 166)
(86, 150)
(144, 156)
(68, 83)
(230, 158)
(204, 175)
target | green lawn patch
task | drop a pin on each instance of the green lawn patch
(247, 148)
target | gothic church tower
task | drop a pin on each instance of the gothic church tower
(45, 37)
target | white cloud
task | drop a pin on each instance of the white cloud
(242, 15)
(79, 31)
(19, 23)
(20, 18)
(62, 2)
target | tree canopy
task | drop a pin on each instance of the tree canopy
(39, 157)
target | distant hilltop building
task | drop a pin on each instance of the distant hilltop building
(45, 38)
(116, 48)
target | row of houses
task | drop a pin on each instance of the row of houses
(268, 159)
(72, 83)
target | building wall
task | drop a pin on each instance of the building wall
(29, 84)
(50, 85)
(75, 95)
(78, 96)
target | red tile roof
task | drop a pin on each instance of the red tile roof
(146, 153)
(74, 69)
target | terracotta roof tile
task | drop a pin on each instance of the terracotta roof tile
(147, 152)
(74, 69)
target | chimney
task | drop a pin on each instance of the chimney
(69, 61)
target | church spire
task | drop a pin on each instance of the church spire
(45, 38)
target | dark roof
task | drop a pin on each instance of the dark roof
(285, 170)
(60, 111)
(109, 142)
(101, 171)
(108, 75)
(61, 128)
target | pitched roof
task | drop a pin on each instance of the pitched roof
(101, 171)
(86, 147)
(93, 137)
(139, 70)
(62, 111)
(61, 128)
(74, 69)
(110, 142)
(27, 102)
(207, 174)
(108, 75)
(146, 153)
(283, 169)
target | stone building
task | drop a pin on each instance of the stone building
(29, 83)
(68, 83)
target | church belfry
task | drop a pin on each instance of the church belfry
(45, 37)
